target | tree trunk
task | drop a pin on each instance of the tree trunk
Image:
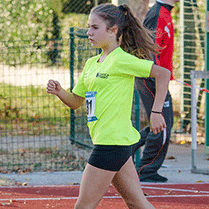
(139, 8)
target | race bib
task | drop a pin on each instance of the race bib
(90, 105)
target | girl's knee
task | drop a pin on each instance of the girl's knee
(85, 205)
(138, 204)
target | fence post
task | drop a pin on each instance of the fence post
(207, 82)
(137, 124)
(193, 119)
(72, 113)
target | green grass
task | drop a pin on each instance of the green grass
(30, 109)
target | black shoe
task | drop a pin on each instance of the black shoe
(155, 178)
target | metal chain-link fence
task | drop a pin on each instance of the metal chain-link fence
(35, 126)
(189, 54)
(193, 57)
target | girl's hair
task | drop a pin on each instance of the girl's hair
(132, 36)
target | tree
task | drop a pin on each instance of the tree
(139, 7)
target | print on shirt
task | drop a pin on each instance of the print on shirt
(168, 31)
(102, 75)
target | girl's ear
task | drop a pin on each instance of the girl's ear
(113, 30)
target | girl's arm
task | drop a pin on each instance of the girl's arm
(70, 99)
(162, 78)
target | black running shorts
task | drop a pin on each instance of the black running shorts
(109, 157)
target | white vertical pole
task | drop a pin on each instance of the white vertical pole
(193, 118)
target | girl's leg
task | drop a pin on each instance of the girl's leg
(94, 184)
(127, 183)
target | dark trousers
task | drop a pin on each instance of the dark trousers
(155, 150)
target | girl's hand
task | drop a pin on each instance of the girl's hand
(157, 123)
(53, 87)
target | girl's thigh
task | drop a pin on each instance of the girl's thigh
(126, 182)
(94, 184)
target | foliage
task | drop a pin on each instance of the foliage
(25, 19)
(29, 29)
(177, 44)
(28, 21)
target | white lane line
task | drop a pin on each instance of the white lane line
(172, 189)
(105, 197)
(39, 186)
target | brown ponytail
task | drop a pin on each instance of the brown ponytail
(132, 36)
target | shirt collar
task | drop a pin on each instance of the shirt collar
(160, 1)
(167, 6)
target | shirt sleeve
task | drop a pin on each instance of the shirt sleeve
(134, 66)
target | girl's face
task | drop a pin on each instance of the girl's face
(98, 34)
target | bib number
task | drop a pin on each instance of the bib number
(90, 105)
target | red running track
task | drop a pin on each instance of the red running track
(162, 196)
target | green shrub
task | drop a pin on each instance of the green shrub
(25, 19)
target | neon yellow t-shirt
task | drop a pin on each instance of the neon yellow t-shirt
(108, 88)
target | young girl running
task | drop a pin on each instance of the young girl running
(107, 84)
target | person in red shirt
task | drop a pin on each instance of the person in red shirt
(158, 20)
